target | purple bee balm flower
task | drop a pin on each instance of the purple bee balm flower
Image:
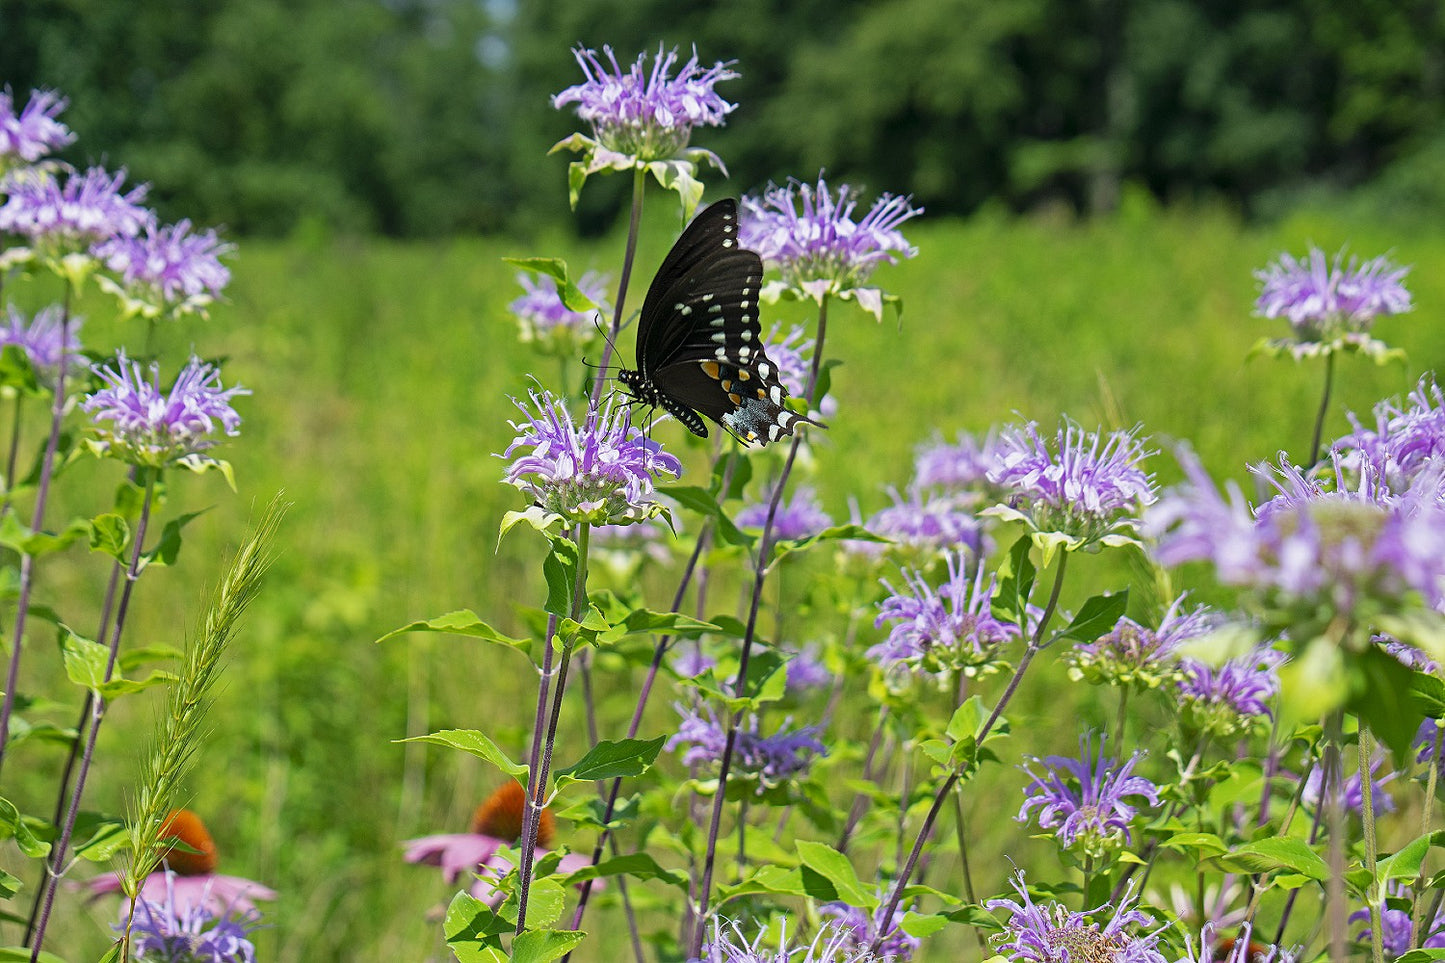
(1238, 949)
(959, 467)
(1084, 487)
(69, 217)
(1426, 741)
(942, 629)
(831, 944)
(808, 233)
(1133, 655)
(1055, 934)
(806, 669)
(642, 113)
(896, 945)
(800, 518)
(154, 428)
(166, 270)
(600, 472)
(1353, 794)
(1411, 657)
(792, 355)
(1084, 798)
(771, 760)
(172, 930)
(690, 661)
(1230, 699)
(1310, 547)
(923, 524)
(34, 132)
(1331, 307)
(547, 322)
(40, 339)
(1408, 438)
(1397, 927)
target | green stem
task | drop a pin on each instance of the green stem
(1333, 796)
(1324, 408)
(638, 180)
(1427, 817)
(1373, 895)
(968, 890)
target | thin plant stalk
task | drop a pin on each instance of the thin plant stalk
(97, 715)
(538, 778)
(1324, 409)
(968, 891)
(62, 793)
(1036, 643)
(1335, 806)
(860, 800)
(1427, 818)
(638, 182)
(37, 519)
(13, 458)
(1372, 890)
(760, 572)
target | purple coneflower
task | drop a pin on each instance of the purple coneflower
(167, 270)
(1230, 699)
(801, 517)
(810, 236)
(496, 825)
(1084, 798)
(1084, 485)
(1330, 307)
(547, 322)
(188, 881)
(897, 945)
(1055, 934)
(170, 930)
(34, 132)
(67, 217)
(945, 628)
(150, 427)
(771, 760)
(646, 114)
(1132, 655)
(600, 472)
(39, 339)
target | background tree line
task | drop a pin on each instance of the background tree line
(426, 117)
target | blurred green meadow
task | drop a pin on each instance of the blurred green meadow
(381, 372)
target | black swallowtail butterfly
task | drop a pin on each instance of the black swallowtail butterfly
(699, 344)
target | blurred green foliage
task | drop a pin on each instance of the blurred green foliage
(428, 117)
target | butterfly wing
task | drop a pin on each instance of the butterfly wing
(699, 343)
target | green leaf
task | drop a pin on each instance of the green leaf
(536, 516)
(85, 660)
(1428, 694)
(108, 835)
(14, 535)
(773, 880)
(543, 946)
(636, 865)
(1407, 862)
(1277, 854)
(110, 533)
(133, 658)
(1422, 956)
(556, 269)
(1097, 616)
(9, 885)
(613, 760)
(737, 469)
(469, 918)
(473, 742)
(1205, 845)
(1016, 584)
(560, 570)
(168, 548)
(1377, 681)
(834, 533)
(967, 720)
(12, 825)
(834, 867)
(922, 926)
(17, 372)
(19, 954)
(461, 622)
(701, 500)
(640, 621)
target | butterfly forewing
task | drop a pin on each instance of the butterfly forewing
(699, 343)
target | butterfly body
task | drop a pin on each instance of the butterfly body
(699, 344)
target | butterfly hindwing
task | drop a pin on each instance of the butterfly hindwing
(699, 342)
